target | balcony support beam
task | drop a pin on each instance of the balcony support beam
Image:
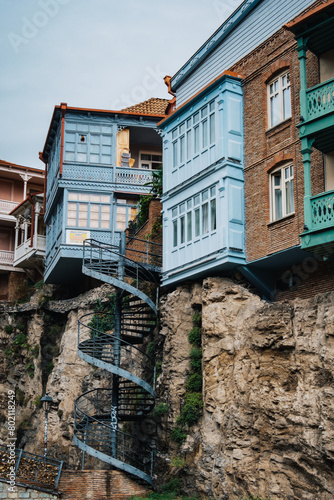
(306, 151)
(302, 48)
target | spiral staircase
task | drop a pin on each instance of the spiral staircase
(100, 413)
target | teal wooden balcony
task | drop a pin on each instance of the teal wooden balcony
(319, 221)
(318, 115)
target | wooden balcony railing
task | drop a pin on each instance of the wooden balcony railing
(320, 100)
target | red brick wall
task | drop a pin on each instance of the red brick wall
(145, 234)
(99, 485)
(309, 278)
(266, 148)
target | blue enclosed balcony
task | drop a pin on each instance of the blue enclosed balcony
(203, 199)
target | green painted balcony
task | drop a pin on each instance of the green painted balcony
(319, 235)
(318, 122)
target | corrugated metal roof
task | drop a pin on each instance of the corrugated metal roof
(153, 106)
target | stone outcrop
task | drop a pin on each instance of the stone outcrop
(50, 326)
(267, 427)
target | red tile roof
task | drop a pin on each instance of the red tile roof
(8, 164)
(153, 106)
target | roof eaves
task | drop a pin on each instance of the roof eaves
(307, 14)
(176, 111)
(218, 36)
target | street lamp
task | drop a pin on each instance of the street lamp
(47, 402)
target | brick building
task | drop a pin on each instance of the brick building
(256, 48)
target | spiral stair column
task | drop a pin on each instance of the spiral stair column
(99, 412)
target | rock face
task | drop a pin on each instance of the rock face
(38, 354)
(267, 427)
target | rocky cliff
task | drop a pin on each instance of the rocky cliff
(39, 354)
(267, 425)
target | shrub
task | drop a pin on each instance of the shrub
(9, 329)
(172, 486)
(158, 368)
(38, 402)
(160, 409)
(178, 462)
(178, 435)
(195, 336)
(194, 383)
(150, 349)
(30, 369)
(196, 359)
(21, 340)
(197, 319)
(103, 319)
(191, 410)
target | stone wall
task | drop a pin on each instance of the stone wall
(24, 493)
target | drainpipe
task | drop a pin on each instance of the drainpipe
(63, 107)
(41, 157)
(33, 225)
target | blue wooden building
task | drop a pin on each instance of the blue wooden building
(204, 145)
(98, 163)
(203, 203)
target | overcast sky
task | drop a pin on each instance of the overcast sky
(103, 54)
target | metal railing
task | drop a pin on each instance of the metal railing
(109, 339)
(31, 468)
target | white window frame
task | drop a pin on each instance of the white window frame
(204, 204)
(279, 91)
(127, 209)
(95, 206)
(286, 172)
(150, 162)
(194, 135)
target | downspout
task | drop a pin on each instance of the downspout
(41, 157)
(32, 231)
(63, 107)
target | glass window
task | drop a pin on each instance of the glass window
(175, 233)
(196, 139)
(282, 192)
(189, 226)
(86, 210)
(213, 215)
(85, 143)
(205, 218)
(279, 99)
(182, 149)
(197, 222)
(212, 129)
(175, 159)
(205, 133)
(150, 161)
(182, 229)
(189, 152)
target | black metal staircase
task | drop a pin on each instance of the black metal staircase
(99, 413)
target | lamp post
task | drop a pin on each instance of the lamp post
(47, 403)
